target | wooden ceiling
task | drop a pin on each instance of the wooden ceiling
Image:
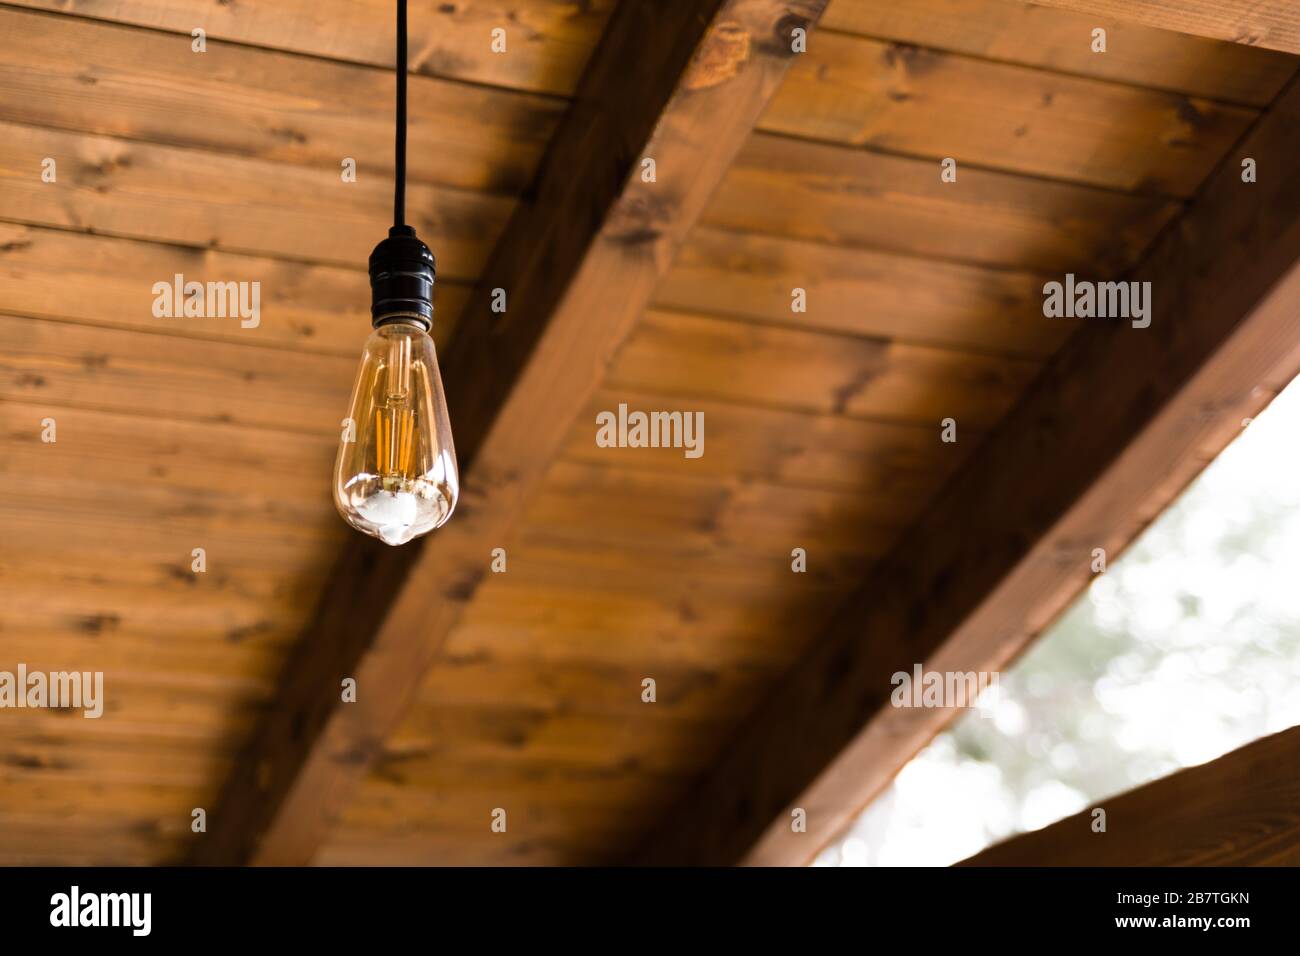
(822, 428)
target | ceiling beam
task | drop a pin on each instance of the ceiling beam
(680, 82)
(1119, 421)
(1271, 24)
(1240, 810)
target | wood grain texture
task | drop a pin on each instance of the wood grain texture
(177, 659)
(548, 42)
(682, 692)
(206, 460)
(578, 264)
(50, 363)
(70, 760)
(117, 187)
(850, 197)
(1061, 40)
(143, 85)
(863, 292)
(1238, 810)
(96, 574)
(55, 274)
(34, 839)
(912, 100)
(1005, 546)
(493, 732)
(142, 714)
(761, 443)
(729, 528)
(694, 356)
(1271, 24)
(625, 628)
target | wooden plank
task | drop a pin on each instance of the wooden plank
(97, 535)
(1271, 24)
(1238, 810)
(468, 812)
(208, 662)
(761, 631)
(193, 197)
(102, 802)
(717, 562)
(357, 847)
(1114, 427)
(402, 780)
(852, 197)
(95, 77)
(717, 559)
(68, 759)
(682, 693)
(74, 506)
(94, 533)
(899, 462)
(208, 465)
(693, 356)
(50, 364)
(567, 782)
(299, 521)
(614, 567)
(144, 713)
(646, 510)
(579, 263)
(497, 732)
(52, 273)
(922, 102)
(548, 42)
(682, 608)
(863, 292)
(177, 616)
(465, 812)
(150, 614)
(105, 533)
(1061, 40)
(33, 839)
(228, 533)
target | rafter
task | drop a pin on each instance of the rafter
(1242, 809)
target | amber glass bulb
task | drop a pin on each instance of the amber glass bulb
(395, 476)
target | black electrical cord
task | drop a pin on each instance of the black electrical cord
(399, 184)
(401, 266)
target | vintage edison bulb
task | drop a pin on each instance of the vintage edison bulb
(397, 479)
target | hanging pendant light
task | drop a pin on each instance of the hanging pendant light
(395, 476)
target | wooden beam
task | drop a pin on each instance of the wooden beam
(1240, 810)
(1271, 24)
(1115, 426)
(680, 82)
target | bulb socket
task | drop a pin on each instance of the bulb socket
(401, 280)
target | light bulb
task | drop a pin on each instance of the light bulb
(396, 478)
(395, 475)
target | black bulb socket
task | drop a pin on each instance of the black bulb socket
(401, 280)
